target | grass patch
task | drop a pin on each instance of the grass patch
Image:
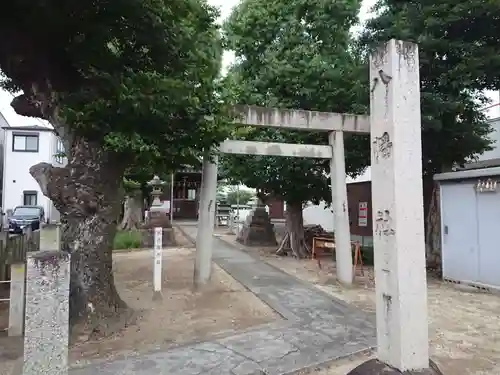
(127, 240)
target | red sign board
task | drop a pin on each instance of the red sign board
(363, 214)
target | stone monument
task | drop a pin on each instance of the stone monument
(158, 218)
(46, 335)
(398, 233)
(257, 229)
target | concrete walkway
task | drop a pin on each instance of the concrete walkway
(315, 329)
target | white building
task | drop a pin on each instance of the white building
(470, 207)
(3, 123)
(25, 146)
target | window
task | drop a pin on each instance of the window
(59, 152)
(191, 194)
(30, 198)
(25, 142)
(26, 211)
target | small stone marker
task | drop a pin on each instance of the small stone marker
(157, 267)
(16, 305)
(58, 236)
(47, 313)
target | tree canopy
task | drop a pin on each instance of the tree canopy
(129, 87)
(458, 46)
(295, 54)
(239, 196)
(136, 77)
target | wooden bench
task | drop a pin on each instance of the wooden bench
(326, 245)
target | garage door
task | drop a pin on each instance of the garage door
(460, 232)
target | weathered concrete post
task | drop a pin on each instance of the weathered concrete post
(204, 237)
(16, 304)
(47, 313)
(157, 265)
(343, 251)
(400, 275)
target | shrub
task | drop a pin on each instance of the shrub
(127, 240)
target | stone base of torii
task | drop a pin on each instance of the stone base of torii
(376, 367)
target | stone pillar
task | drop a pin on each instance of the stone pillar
(204, 237)
(343, 252)
(397, 200)
(58, 236)
(16, 304)
(157, 266)
(47, 313)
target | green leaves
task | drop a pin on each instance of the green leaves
(459, 56)
(294, 54)
(139, 78)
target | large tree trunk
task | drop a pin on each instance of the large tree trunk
(295, 229)
(432, 226)
(87, 194)
(132, 211)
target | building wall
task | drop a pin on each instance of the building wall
(57, 160)
(322, 214)
(3, 124)
(186, 192)
(318, 214)
(469, 223)
(357, 193)
(17, 178)
(276, 208)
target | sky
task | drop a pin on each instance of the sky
(225, 7)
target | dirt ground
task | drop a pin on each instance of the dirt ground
(464, 324)
(182, 315)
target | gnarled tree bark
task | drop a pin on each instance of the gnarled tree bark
(432, 228)
(295, 229)
(86, 193)
(132, 211)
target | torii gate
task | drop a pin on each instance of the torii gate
(333, 123)
(394, 126)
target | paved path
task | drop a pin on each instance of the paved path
(315, 330)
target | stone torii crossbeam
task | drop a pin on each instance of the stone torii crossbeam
(394, 125)
(335, 124)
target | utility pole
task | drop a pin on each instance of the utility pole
(172, 197)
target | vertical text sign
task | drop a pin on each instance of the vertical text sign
(157, 267)
(363, 214)
(398, 226)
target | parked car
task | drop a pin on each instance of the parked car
(23, 216)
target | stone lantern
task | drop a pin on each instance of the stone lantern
(158, 217)
(157, 185)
